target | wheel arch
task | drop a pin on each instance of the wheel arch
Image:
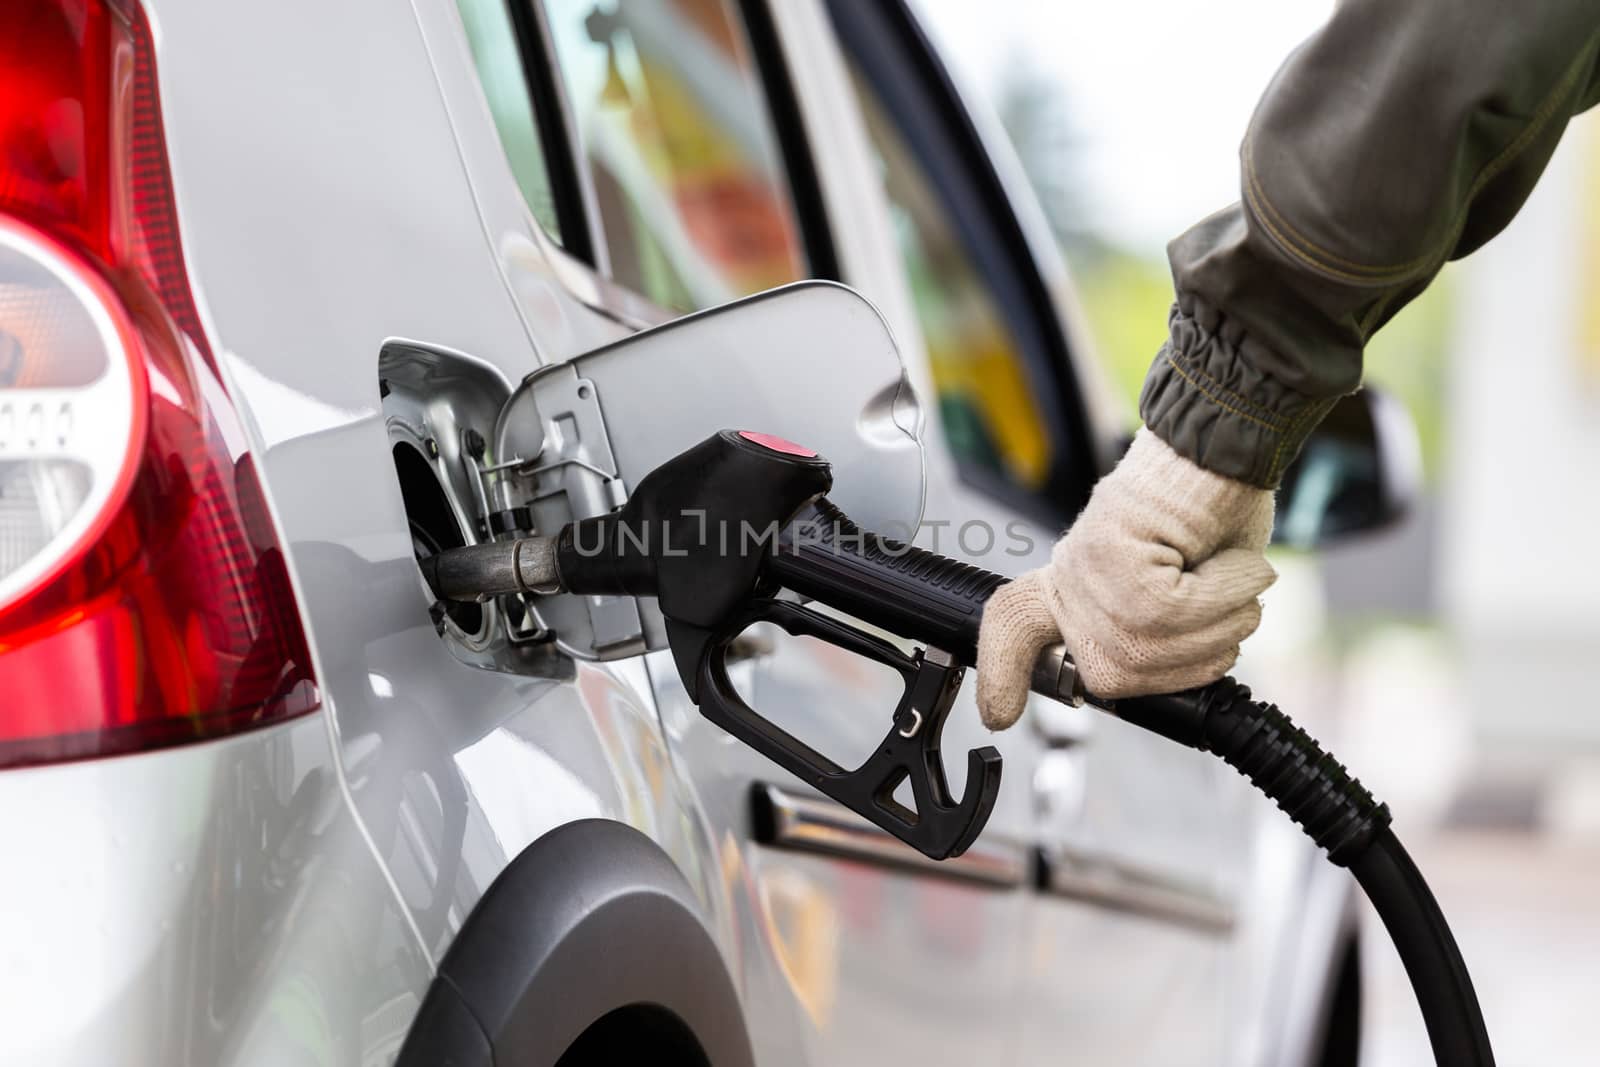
(590, 919)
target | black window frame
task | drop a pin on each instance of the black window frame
(556, 135)
(890, 49)
(805, 187)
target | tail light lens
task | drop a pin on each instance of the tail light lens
(144, 598)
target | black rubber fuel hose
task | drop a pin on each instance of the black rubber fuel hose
(1337, 812)
(1432, 960)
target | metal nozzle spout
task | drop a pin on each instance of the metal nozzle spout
(477, 572)
(1056, 676)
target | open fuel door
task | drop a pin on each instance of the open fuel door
(812, 362)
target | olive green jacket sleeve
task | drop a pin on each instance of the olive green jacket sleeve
(1403, 134)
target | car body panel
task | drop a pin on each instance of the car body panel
(284, 896)
(212, 904)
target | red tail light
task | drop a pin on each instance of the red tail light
(144, 598)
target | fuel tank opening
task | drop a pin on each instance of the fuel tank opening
(434, 526)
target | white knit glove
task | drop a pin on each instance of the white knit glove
(1152, 589)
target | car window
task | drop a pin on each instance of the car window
(678, 139)
(989, 410)
(493, 40)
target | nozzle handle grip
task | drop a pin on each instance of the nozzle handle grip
(893, 585)
(903, 589)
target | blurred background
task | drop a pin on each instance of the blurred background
(1458, 675)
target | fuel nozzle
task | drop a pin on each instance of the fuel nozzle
(715, 534)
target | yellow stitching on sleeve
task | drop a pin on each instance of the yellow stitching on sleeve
(1270, 219)
(1275, 467)
(1221, 403)
(1312, 415)
(1264, 413)
(1365, 274)
(1374, 313)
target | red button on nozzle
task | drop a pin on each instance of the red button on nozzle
(777, 444)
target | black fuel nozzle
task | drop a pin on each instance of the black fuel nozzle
(715, 534)
(704, 534)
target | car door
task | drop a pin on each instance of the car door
(1127, 941)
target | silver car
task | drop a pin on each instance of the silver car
(273, 279)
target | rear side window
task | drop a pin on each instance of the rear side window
(678, 140)
(494, 52)
(1001, 366)
(988, 407)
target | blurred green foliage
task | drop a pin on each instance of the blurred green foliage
(1125, 299)
(1410, 358)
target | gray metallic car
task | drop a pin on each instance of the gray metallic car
(273, 280)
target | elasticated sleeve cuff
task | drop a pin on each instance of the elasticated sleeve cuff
(1205, 398)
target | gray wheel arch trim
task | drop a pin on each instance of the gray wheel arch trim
(591, 917)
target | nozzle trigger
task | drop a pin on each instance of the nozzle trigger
(939, 826)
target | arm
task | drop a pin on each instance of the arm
(1402, 134)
